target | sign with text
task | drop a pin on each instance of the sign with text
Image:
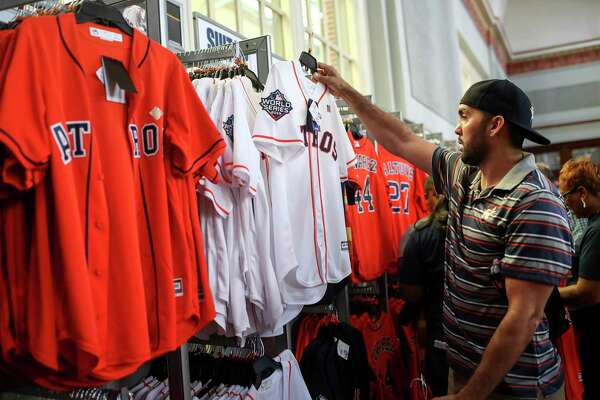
(210, 34)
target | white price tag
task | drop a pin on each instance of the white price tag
(314, 110)
(343, 349)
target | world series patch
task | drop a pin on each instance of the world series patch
(276, 105)
(228, 127)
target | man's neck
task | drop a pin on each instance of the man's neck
(497, 165)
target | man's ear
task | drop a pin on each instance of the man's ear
(495, 124)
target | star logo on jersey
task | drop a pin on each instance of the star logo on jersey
(228, 127)
(276, 105)
(156, 113)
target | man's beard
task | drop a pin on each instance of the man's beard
(476, 152)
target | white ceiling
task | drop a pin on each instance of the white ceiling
(540, 27)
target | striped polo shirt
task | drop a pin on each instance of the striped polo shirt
(517, 229)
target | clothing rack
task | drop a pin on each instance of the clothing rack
(259, 46)
(153, 16)
(378, 287)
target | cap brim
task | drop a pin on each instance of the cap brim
(532, 135)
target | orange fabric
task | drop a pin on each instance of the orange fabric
(309, 329)
(569, 354)
(406, 193)
(115, 229)
(370, 217)
(381, 341)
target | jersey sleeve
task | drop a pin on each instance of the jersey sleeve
(345, 153)
(196, 141)
(24, 132)
(246, 158)
(446, 170)
(277, 129)
(538, 244)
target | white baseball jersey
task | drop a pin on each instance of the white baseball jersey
(202, 87)
(304, 173)
(264, 290)
(285, 383)
(215, 204)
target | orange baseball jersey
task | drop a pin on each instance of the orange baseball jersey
(370, 216)
(406, 191)
(380, 339)
(115, 180)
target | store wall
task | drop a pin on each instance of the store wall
(566, 101)
(424, 56)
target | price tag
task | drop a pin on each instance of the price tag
(343, 349)
(314, 110)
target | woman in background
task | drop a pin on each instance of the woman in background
(579, 183)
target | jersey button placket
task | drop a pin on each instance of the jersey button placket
(320, 229)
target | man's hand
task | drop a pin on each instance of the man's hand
(328, 75)
(388, 130)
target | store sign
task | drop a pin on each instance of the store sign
(211, 35)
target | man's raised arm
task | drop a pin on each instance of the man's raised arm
(388, 130)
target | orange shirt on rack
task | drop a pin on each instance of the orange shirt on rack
(113, 187)
(406, 192)
(370, 216)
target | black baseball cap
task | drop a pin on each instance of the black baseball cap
(502, 97)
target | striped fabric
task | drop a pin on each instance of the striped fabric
(517, 229)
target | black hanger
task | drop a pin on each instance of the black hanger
(355, 130)
(96, 11)
(308, 61)
(263, 368)
(256, 83)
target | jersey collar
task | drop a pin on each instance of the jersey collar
(319, 91)
(67, 26)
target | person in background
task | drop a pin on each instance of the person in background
(431, 197)
(578, 225)
(579, 183)
(421, 278)
(497, 278)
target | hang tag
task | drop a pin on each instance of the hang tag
(116, 80)
(116, 94)
(343, 349)
(314, 110)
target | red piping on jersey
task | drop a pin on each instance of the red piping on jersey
(234, 166)
(289, 380)
(351, 161)
(266, 158)
(298, 81)
(277, 140)
(214, 199)
(312, 197)
(302, 88)
(323, 95)
(323, 217)
(222, 170)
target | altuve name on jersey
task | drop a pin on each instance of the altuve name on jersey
(398, 168)
(69, 138)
